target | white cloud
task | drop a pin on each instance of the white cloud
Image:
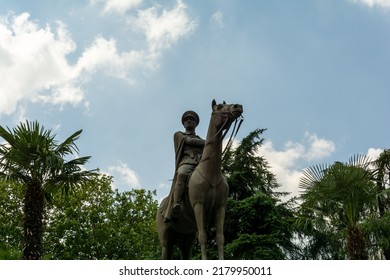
(63, 95)
(165, 28)
(124, 175)
(217, 17)
(117, 6)
(20, 115)
(162, 29)
(374, 153)
(33, 59)
(103, 54)
(287, 164)
(372, 3)
(283, 164)
(319, 147)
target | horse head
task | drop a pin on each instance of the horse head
(224, 114)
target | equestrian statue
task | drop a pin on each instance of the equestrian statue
(199, 191)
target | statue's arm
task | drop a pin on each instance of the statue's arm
(195, 141)
(177, 139)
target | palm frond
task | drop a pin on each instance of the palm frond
(6, 135)
(359, 160)
(68, 146)
(31, 153)
(312, 175)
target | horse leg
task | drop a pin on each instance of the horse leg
(186, 245)
(167, 248)
(164, 253)
(166, 236)
(219, 238)
(201, 225)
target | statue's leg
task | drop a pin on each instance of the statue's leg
(179, 187)
(219, 222)
(178, 193)
(201, 225)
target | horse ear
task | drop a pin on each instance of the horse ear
(213, 104)
(224, 102)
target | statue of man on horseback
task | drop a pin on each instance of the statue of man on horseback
(199, 192)
(188, 152)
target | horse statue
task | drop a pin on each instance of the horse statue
(206, 194)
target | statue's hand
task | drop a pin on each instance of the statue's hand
(195, 142)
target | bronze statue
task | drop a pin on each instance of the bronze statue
(189, 209)
(188, 152)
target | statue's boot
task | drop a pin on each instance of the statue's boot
(177, 196)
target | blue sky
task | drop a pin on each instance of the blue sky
(315, 73)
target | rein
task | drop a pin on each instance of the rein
(235, 130)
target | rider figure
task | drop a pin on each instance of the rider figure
(188, 152)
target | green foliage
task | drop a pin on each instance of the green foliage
(258, 228)
(8, 253)
(258, 225)
(11, 220)
(32, 157)
(32, 154)
(101, 223)
(337, 200)
(344, 210)
(96, 222)
(246, 171)
(382, 165)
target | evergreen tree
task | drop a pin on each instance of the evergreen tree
(258, 224)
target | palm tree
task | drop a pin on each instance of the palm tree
(31, 156)
(339, 197)
(382, 165)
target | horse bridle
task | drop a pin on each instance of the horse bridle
(227, 126)
(235, 130)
